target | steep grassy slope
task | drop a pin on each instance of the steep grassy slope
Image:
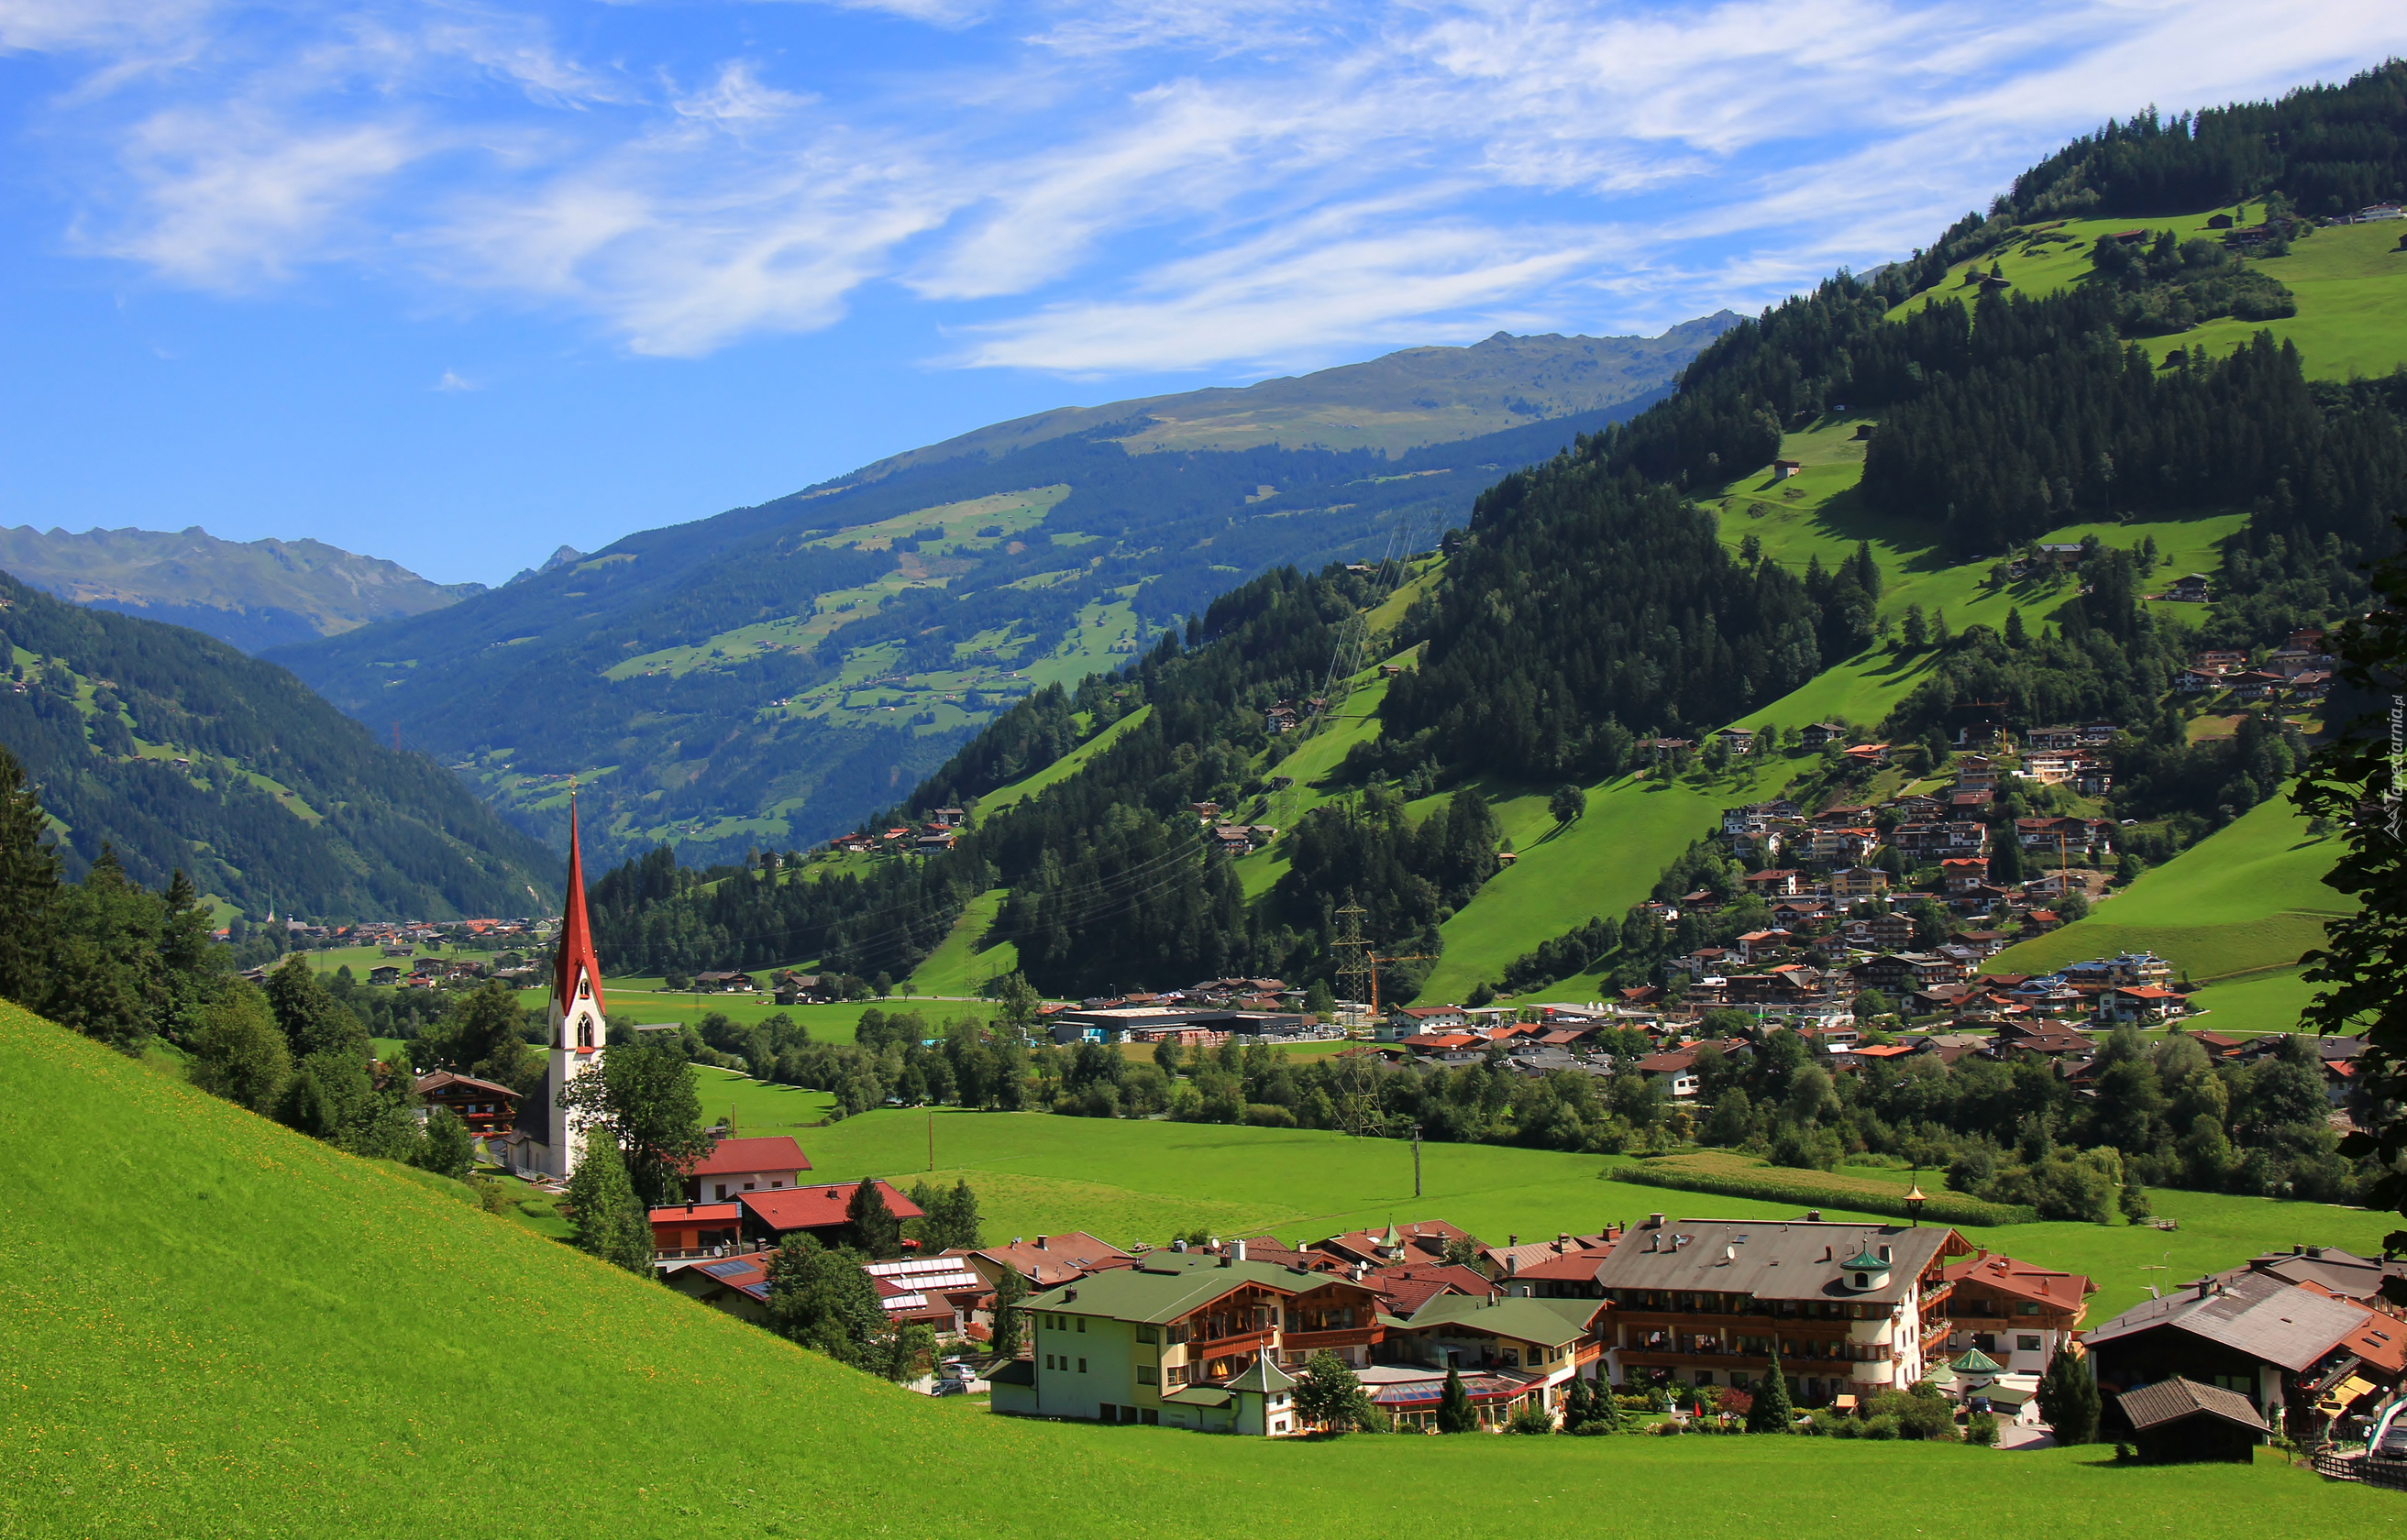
(180, 752)
(215, 1326)
(2249, 899)
(256, 594)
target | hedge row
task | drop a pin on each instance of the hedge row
(1814, 1189)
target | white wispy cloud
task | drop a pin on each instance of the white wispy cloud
(1091, 186)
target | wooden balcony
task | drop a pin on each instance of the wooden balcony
(1202, 1351)
(1312, 1342)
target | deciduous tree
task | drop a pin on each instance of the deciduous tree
(610, 1219)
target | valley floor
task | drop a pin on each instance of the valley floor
(215, 1326)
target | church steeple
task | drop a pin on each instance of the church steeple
(577, 1006)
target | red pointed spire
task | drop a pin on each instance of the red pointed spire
(575, 935)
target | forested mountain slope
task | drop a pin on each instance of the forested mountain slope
(256, 594)
(766, 677)
(178, 751)
(2019, 382)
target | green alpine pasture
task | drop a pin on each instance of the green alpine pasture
(215, 1326)
(2249, 899)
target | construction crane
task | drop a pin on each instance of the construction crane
(1375, 960)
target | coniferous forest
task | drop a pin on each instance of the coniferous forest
(180, 753)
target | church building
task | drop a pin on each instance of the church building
(543, 1142)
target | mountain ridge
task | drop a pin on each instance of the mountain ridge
(255, 594)
(1224, 416)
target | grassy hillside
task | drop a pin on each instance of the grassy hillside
(255, 594)
(221, 1327)
(2248, 898)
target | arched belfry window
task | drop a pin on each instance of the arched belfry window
(584, 987)
(584, 1030)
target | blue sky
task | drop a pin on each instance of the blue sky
(457, 283)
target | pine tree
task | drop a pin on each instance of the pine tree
(1771, 1411)
(870, 1225)
(610, 1223)
(2068, 1399)
(1008, 1292)
(1579, 1404)
(1455, 1412)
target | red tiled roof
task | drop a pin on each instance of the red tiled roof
(1409, 1286)
(733, 1157)
(698, 1213)
(817, 1207)
(2058, 1290)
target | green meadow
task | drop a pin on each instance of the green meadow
(2248, 899)
(1149, 1180)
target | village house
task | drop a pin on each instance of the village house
(942, 1293)
(736, 1166)
(2189, 589)
(1423, 1241)
(1776, 882)
(818, 1211)
(1674, 1073)
(2141, 1005)
(1859, 883)
(1851, 1308)
(484, 1105)
(1189, 1339)
(1048, 1261)
(2018, 1313)
(2279, 1344)
(1541, 1344)
(1404, 1021)
(682, 1230)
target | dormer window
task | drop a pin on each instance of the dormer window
(1863, 1281)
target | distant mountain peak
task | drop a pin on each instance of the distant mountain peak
(567, 556)
(255, 594)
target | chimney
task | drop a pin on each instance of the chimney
(1562, 1241)
(1813, 1216)
(2205, 1287)
(1654, 1222)
(1511, 1241)
(1512, 1264)
(1227, 1260)
(1040, 1242)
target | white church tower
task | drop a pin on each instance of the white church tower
(578, 1030)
